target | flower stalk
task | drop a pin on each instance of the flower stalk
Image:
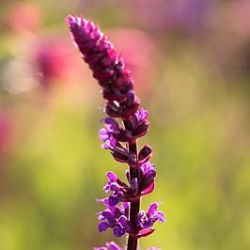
(134, 205)
(125, 123)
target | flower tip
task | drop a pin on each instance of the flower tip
(153, 207)
(70, 19)
(111, 176)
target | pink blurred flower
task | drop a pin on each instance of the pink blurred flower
(24, 16)
(140, 54)
(56, 61)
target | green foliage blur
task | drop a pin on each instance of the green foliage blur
(191, 64)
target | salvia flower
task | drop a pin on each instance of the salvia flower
(115, 217)
(125, 123)
(147, 219)
(116, 187)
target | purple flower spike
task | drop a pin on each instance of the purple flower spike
(125, 124)
(108, 68)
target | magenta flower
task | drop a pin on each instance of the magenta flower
(55, 62)
(125, 124)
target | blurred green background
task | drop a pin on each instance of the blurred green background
(191, 64)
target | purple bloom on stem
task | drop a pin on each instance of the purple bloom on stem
(113, 130)
(115, 217)
(147, 219)
(139, 124)
(116, 187)
(111, 135)
(122, 213)
(147, 174)
(120, 191)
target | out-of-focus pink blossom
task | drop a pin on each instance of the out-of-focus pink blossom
(24, 16)
(185, 15)
(56, 61)
(140, 53)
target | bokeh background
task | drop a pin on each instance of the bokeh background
(191, 64)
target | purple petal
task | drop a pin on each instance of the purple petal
(111, 176)
(147, 166)
(107, 215)
(111, 123)
(103, 135)
(110, 144)
(153, 208)
(103, 201)
(141, 114)
(143, 220)
(115, 187)
(106, 146)
(113, 200)
(161, 217)
(113, 246)
(103, 226)
(119, 231)
(123, 220)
